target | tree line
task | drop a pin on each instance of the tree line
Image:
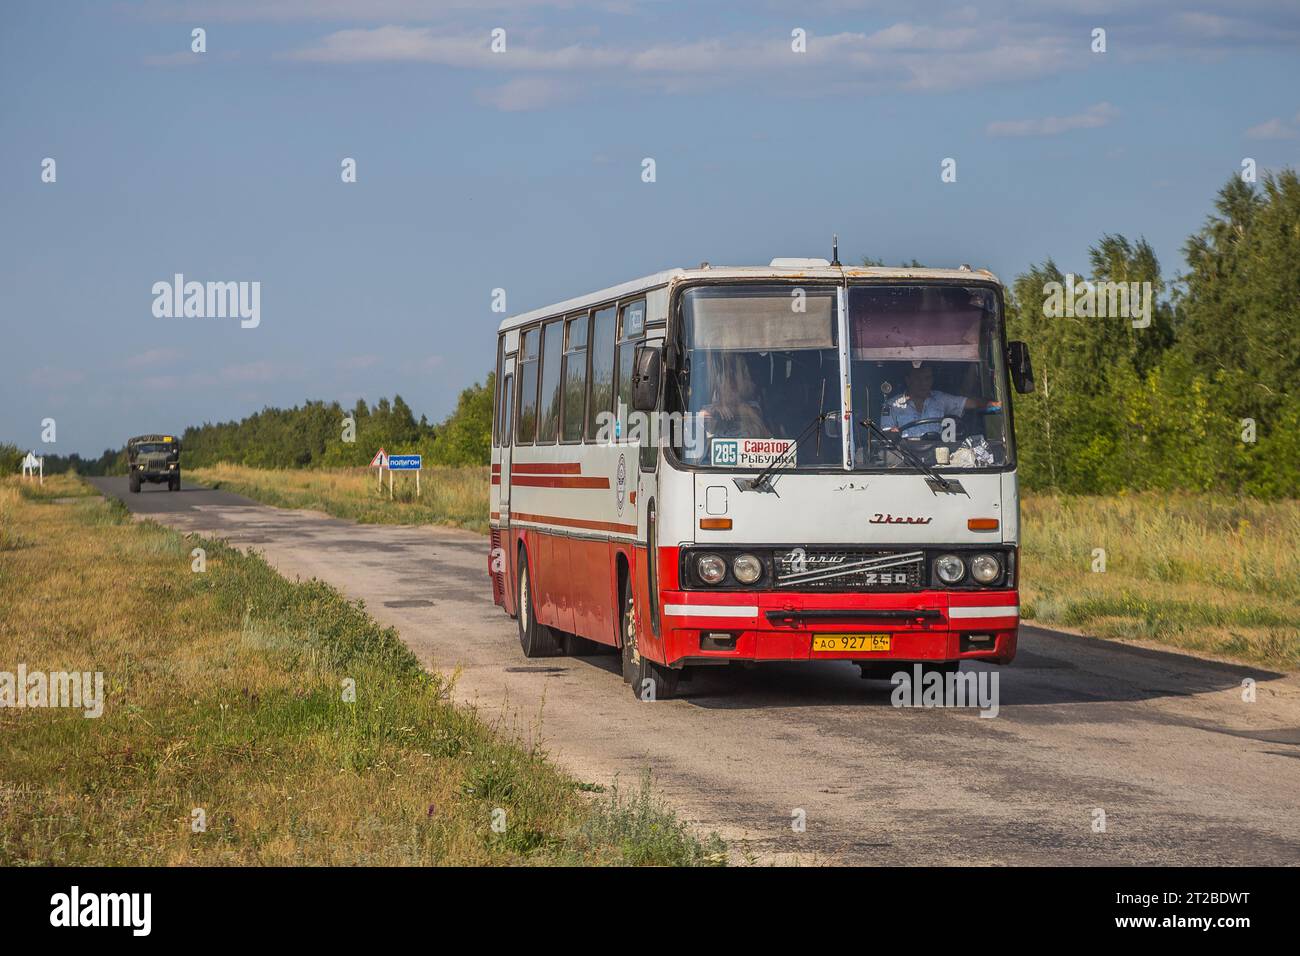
(327, 435)
(1200, 395)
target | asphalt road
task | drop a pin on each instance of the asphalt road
(1184, 770)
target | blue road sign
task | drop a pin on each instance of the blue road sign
(405, 462)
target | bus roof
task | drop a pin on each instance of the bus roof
(779, 269)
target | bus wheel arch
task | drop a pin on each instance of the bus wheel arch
(535, 638)
(649, 681)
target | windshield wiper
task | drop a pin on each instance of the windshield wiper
(763, 480)
(933, 478)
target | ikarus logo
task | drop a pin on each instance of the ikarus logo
(620, 482)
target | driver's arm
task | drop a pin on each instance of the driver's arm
(967, 404)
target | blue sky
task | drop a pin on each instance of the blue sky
(522, 169)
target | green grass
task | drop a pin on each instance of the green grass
(1198, 572)
(225, 692)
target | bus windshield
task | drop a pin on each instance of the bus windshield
(761, 363)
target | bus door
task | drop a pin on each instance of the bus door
(501, 569)
(642, 481)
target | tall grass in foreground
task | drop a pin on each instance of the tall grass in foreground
(449, 496)
(1199, 572)
(67, 485)
(225, 694)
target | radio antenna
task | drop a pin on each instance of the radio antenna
(835, 250)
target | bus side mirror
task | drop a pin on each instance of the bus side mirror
(1022, 370)
(646, 372)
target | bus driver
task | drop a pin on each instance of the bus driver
(922, 403)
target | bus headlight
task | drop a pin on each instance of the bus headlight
(711, 568)
(950, 568)
(985, 568)
(747, 568)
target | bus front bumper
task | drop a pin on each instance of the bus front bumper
(701, 627)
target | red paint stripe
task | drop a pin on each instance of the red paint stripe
(494, 516)
(574, 522)
(545, 468)
(548, 481)
(496, 479)
(496, 469)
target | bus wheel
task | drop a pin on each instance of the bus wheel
(537, 640)
(650, 681)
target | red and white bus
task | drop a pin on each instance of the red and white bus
(801, 461)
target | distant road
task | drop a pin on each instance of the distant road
(1185, 771)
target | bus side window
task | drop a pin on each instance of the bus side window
(549, 408)
(507, 406)
(601, 394)
(574, 384)
(631, 331)
(527, 430)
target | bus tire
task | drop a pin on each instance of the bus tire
(537, 640)
(649, 681)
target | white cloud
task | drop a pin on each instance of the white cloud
(1097, 115)
(422, 44)
(902, 55)
(1275, 129)
(949, 47)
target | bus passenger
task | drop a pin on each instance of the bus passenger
(735, 409)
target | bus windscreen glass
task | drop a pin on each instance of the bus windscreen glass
(762, 362)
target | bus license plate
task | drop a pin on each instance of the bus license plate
(850, 642)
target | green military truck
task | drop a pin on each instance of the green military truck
(155, 459)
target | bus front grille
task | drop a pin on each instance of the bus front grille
(835, 570)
